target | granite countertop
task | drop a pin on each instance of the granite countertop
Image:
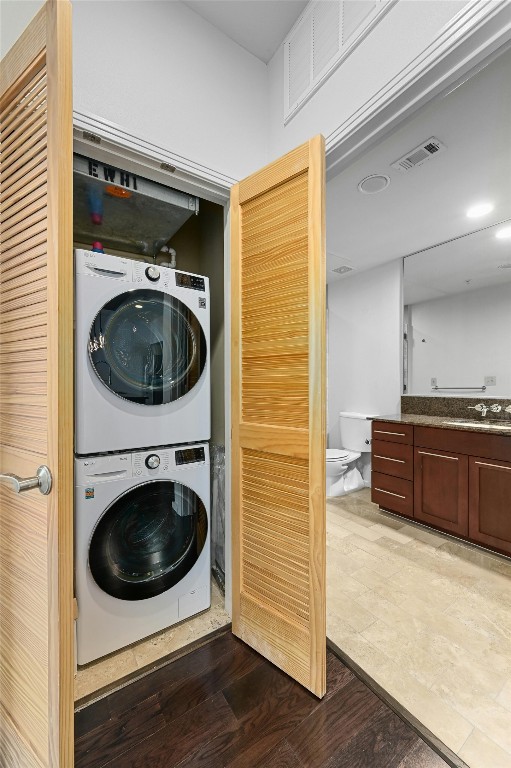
(488, 426)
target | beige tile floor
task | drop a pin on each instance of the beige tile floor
(429, 619)
(104, 672)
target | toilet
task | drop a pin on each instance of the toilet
(342, 476)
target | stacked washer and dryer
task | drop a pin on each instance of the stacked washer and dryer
(142, 479)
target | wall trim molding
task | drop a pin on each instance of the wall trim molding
(467, 42)
(116, 144)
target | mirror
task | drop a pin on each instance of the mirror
(415, 197)
(457, 316)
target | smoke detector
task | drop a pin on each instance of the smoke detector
(377, 182)
(342, 270)
(419, 155)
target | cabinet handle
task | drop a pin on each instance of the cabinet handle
(382, 432)
(495, 466)
(438, 455)
(387, 458)
(389, 493)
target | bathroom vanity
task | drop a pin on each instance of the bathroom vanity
(452, 476)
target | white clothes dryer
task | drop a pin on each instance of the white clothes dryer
(142, 545)
(141, 355)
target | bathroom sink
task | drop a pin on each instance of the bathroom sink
(478, 424)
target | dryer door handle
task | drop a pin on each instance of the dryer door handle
(42, 480)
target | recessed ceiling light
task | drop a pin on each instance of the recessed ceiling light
(504, 233)
(377, 182)
(481, 209)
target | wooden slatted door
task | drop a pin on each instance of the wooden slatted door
(36, 394)
(278, 412)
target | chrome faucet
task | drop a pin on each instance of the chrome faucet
(481, 407)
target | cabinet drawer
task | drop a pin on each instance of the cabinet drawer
(393, 459)
(392, 493)
(393, 432)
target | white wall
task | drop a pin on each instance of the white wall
(163, 73)
(398, 38)
(166, 75)
(364, 344)
(466, 337)
(15, 15)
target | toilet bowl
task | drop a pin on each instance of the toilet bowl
(342, 474)
(338, 463)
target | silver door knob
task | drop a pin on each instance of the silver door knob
(42, 480)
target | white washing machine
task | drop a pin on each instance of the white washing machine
(142, 545)
(141, 355)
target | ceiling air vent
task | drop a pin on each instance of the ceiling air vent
(342, 270)
(419, 155)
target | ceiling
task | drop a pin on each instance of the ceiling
(259, 26)
(427, 205)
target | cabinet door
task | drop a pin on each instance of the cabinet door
(36, 394)
(278, 413)
(489, 506)
(441, 489)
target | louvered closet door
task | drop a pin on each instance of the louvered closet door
(278, 412)
(36, 394)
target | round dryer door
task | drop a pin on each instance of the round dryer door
(147, 347)
(148, 540)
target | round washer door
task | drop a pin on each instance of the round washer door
(148, 540)
(147, 347)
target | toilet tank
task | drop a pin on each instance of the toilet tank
(355, 431)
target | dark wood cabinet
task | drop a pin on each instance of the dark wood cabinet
(441, 490)
(392, 467)
(392, 459)
(458, 481)
(392, 432)
(392, 493)
(490, 503)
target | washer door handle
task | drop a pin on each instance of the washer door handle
(42, 480)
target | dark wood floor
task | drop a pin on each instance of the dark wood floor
(223, 705)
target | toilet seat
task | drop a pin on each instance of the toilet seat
(334, 454)
(340, 455)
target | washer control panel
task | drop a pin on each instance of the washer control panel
(92, 470)
(151, 463)
(160, 277)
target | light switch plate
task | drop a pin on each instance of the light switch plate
(490, 381)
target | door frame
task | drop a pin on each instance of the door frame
(475, 36)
